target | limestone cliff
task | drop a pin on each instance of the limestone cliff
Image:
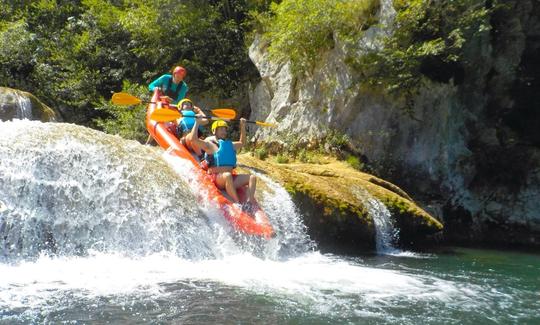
(469, 149)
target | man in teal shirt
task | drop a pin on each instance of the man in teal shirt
(172, 85)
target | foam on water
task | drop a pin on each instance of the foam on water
(312, 280)
(89, 217)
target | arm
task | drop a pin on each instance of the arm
(157, 83)
(193, 136)
(239, 144)
(200, 112)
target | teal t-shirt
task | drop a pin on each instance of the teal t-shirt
(164, 81)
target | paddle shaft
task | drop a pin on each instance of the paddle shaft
(247, 121)
(128, 99)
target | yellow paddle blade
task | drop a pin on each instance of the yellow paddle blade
(165, 115)
(125, 99)
(265, 124)
(225, 113)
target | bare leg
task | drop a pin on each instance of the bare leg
(251, 181)
(225, 180)
(251, 190)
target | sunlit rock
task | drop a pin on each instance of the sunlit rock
(17, 104)
(333, 198)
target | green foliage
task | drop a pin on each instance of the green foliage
(429, 41)
(16, 53)
(73, 54)
(309, 156)
(298, 30)
(126, 121)
(354, 162)
(282, 158)
(337, 140)
(261, 153)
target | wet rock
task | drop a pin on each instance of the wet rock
(333, 199)
(17, 104)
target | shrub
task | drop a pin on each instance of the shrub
(307, 156)
(282, 159)
(354, 162)
(428, 41)
(300, 29)
(261, 153)
(126, 121)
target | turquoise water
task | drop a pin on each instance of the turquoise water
(86, 238)
(461, 286)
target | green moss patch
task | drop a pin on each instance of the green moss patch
(334, 193)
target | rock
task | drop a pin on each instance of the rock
(469, 148)
(17, 104)
(332, 199)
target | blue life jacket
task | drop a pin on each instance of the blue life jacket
(225, 156)
(186, 123)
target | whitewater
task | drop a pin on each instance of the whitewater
(95, 229)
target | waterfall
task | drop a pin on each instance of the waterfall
(24, 106)
(69, 191)
(386, 235)
(292, 238)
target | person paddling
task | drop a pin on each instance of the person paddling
(172, 86)
(186, 122)
(220, 158)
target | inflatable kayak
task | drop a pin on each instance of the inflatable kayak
(252, 222)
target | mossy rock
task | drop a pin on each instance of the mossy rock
(17, 104)
(332, 198)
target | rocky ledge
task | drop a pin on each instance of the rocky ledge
(338, 203)
(18, 104)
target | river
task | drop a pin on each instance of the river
(97, 229)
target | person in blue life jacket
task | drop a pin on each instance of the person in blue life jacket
(172, 86)
(186, 122)
(220, 158)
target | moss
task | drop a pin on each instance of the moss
(354, 162)
(282, 159)
(404, 208)
(391, 187)
(335, 188)
(333, 206)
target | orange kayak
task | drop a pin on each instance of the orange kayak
(254, 222)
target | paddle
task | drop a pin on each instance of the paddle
(125, 99)
(271, 125)
(162, 115)
(168, 115)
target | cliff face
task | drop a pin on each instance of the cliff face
(469, 150)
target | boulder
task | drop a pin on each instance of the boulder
(18, 104)
(334, 201)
